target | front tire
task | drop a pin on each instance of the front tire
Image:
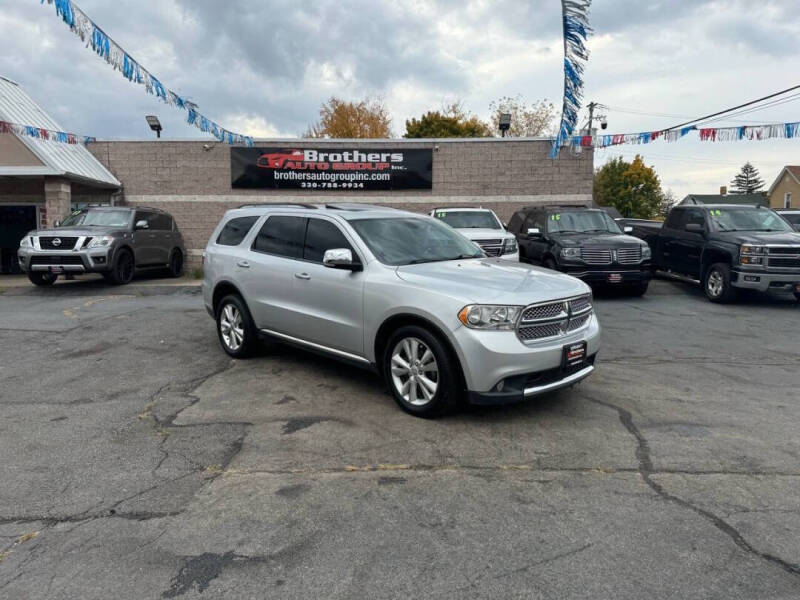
(420, 372)
(717, 284)
(235, 329)
(639, 289)
(176, 264)
(122, 271)
(42, 279)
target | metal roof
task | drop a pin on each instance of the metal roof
(70, 160)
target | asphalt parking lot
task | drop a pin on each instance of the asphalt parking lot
(139, 461)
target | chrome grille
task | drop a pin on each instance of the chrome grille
(783, 257)
(64, 243)
(553, 319)
(596, 256)
(491, 247)
(629, 255)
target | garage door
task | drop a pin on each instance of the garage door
(15, 222)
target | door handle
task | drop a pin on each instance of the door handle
(244, 264)
(302, 275)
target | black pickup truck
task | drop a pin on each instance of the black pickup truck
(726, 248)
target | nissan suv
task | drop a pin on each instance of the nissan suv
(584, 242)
(111, 240)
(399, 293)
(482, 226)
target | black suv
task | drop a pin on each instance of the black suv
(584, 242)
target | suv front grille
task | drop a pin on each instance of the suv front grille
(629, 255)
(554, 319)
(64, 243)
(66, 259)
(491, 247)
(596, 256)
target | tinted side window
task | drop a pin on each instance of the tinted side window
(235, 231)
(516, 222)
(321, 236)
(535, 219)
(282, 236)
(694, 215)
(144, 216)
(674, 219)
(161, 222)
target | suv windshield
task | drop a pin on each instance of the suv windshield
(584, 221)
(468, 219)
(408, 241)
(747, 219)
(101, 218)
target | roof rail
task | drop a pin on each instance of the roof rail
(278, 205)
(559, 206)
(356, 206)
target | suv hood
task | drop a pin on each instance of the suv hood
(762, 238)
(606, 240)
(493, 280)
(472, 233)
(76, 231)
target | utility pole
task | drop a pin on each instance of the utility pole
(591, 115)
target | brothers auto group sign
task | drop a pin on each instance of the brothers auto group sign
(331, 169)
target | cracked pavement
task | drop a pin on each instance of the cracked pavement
(139, 461)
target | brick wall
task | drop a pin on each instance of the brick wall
(192, 179)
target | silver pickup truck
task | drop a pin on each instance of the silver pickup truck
(111, 240)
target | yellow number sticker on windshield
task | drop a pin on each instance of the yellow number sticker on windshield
(556, 217)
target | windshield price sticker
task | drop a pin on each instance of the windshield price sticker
(441, 214)
(556, 217)
(716, 212)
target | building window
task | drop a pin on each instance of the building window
(787, 200)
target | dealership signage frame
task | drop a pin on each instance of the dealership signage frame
(331, 169)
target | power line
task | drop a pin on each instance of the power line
(728, 110)
(747, 111)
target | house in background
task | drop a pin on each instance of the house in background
(785, 190)
(759, 199)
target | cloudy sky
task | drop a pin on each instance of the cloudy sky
(263, 68)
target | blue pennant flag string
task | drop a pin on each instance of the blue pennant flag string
(86, 29)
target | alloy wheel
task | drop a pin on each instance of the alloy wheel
(415, 373)
(715, 283)
(230, 327)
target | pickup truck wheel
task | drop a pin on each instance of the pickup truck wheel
(42, 279)
(420, 372)
(235, 329)
(122, 271)
(717, 284)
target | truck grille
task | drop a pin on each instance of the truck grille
(554, 319)
(783, 257)
(596, 256)
(64, 243)
(491, 247)
(66, 259)
(629, 255)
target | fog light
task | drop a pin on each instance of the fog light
(100, 260)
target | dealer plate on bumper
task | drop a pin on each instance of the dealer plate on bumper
(615, 278)
(56, 269)
(574, 355)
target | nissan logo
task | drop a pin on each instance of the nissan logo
(56, 241)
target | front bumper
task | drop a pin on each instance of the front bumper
(765, 281)
(614, 274)
(514, 256)
(525, 369)
(93, 260)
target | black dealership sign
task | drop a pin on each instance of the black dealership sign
(331, 169)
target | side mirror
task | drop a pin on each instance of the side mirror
(534, 232)
(627, 229)
(695, 228)
(505, 225)
(141, 225)
(340, 258)
(57, 223)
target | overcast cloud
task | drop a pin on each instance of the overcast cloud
(263, 68)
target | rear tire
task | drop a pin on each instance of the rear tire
(235, 328)
(42, 279)
(123, 268)
(717, 284)
(176, 263)
(420, 372)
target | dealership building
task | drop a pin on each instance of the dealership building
(197, 181)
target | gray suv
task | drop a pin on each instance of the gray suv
(111, 240)
(402, 294)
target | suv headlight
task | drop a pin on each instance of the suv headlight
(573, 253)
(752, 255)
(25, 242)
(101, 241)
(510, 246)
(646, 252)
(489, 316)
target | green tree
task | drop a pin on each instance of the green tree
(527, 120)
(341, 119)
(632, 188)
(747, 181)
(450, 122)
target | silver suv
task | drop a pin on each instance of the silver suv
(402, 294)
(111, 240)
